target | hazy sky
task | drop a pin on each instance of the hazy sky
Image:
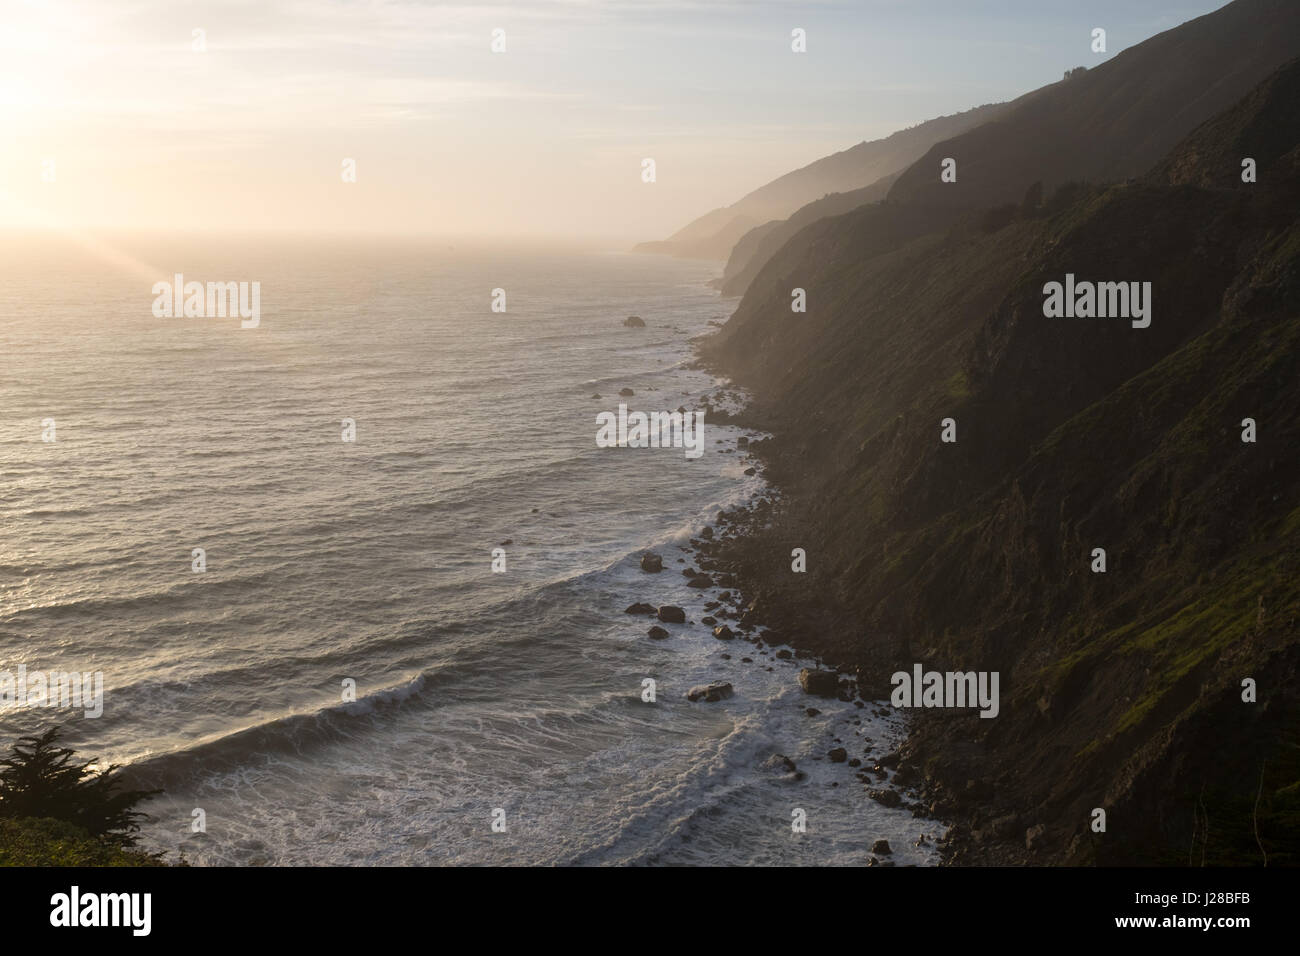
(547, 138)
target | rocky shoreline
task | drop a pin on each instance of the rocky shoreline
(724, 559)
(1113, 536)
(747, 551)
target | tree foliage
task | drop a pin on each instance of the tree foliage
(41, 779)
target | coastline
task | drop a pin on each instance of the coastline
(720, 770)
(736, 551)
(750, 550)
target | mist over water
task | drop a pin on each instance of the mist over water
(371, 560)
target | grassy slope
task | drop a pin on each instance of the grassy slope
(43, 842)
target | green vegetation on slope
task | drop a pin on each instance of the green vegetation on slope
(1124, 689)
(41, 841)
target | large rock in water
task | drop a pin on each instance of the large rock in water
(640, 607)
(718, 690)
(820, 683)
(778, 762)
(657, 632)
(672, 614)
(887, 798)
(651, 562)
(634, 322)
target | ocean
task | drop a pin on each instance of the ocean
(481, 696)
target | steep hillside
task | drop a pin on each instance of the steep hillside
(710, 237)
(758, 245)
(1258, 128)
(1116, 120)
(1107, 124)
(713, 235)
(1121, 689)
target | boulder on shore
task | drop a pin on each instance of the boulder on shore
(672, 614)
(819, 683)
(723, 633)
(651, 562)
(715, 691)
(626, 392)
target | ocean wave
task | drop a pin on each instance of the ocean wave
(289, 734)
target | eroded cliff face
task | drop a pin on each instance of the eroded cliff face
(1122, 689)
